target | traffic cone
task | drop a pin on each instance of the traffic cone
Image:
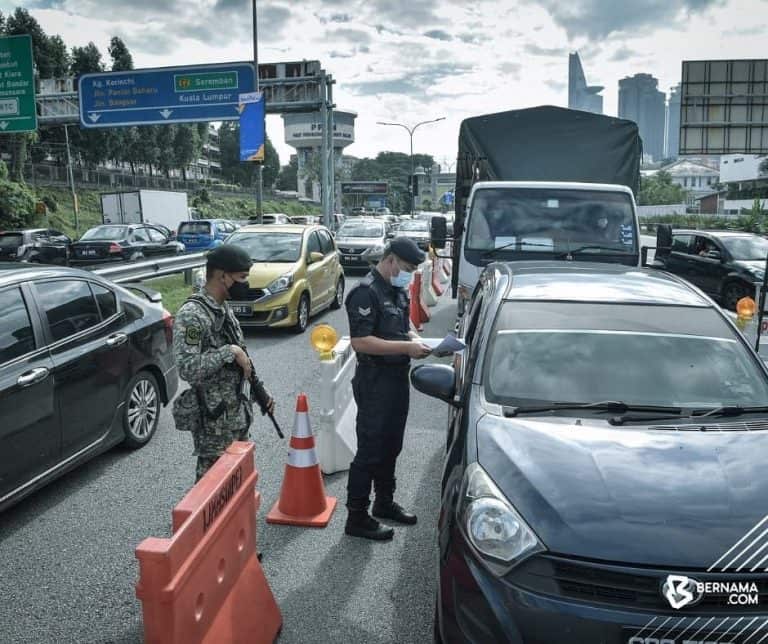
(302, 497)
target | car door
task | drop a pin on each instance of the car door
(140, 242)
(316, 271)
(90, 354)
(677, 260)
(159, 243)
(30, 438)
(330, 265)
(60, 244)
(703, 271)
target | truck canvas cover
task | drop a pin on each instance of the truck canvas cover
(546, 144)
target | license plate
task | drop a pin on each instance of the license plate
(242, 309)
(90, 252)
(351, 258)
(681, 637)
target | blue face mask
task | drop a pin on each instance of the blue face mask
(402, 279)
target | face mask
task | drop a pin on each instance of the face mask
(238, 291)
(401, 280)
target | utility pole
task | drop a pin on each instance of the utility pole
(410, 131)
(71, 176)
(260, 164)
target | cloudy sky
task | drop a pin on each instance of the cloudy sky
(412, 60)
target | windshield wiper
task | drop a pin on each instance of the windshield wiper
(617, 406)
(493, 251)
(569, 253)
(729, 410)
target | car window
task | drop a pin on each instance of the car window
(106, 300)
(69, 307)
(105, 233)
(313, 244)
(140, 235)
(682, 243)
(40, 235)
(703, 245)
(326, 243)
(156, 236)
(195, 228)
(16, 336)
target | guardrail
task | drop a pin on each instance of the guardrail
(140, 271)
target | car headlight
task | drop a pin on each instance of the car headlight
(492, 526)
(282, 283)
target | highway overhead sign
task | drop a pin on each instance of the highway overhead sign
(166, 95)
(17, 85)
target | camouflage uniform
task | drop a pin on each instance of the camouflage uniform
(207, 363)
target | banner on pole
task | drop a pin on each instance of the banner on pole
(252, 133)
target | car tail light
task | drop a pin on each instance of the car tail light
(115, 248)
(168, 322)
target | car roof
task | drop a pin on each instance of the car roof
(715, 233)
(277, 228)
(13, 272)
(596, 282)
(19, 231)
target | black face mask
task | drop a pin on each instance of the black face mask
(238, 291)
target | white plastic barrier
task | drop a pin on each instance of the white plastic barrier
(427, 293)
(336, 438)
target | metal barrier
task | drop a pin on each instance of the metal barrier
(139, 271)
(336, 438)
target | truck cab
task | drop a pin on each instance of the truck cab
(534, 220)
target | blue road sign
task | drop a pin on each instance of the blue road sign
(252, 126)
(167, 95)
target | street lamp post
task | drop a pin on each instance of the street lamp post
(410, 131)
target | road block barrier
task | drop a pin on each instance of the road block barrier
(414, 311)
(302, 496)
(423, 311)
(336, 437)
(437, 270)
(205, 584)
(427, 294)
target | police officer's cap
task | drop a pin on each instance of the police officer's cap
(406, 249)
(229, 258)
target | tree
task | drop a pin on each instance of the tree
(395, 168)
(288, 179)
(186, 147)
(122, 60)
(244, 172)
(91, 146)
(271, 164)
(659, 189)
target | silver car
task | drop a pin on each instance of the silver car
(361, 241)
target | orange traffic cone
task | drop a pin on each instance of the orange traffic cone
(302, 497)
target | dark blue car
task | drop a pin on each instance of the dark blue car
(605, 478)
(204, 234)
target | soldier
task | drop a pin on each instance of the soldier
(210, 353)
(379, 327)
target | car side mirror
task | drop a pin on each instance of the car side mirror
(436, 380)
(315, 257)
(438, 231)
(663, 240)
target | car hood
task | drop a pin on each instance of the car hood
(415, 234)
(752, 266)
(628, 494)
(264, 273)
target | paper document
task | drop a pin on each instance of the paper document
(445, 346)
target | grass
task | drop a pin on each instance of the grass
(173, 290)
(234, 207)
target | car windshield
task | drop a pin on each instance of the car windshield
(269, 247)
(10, 240)
(551, 221)
(746, 248)
(670, 356)
(361, 230)
(415, 224)
(195, 228)
(105, 233)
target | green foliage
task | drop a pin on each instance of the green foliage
(394, 167)
(288, 178)
(17, 205)
(659, 189)
(121, 58)
(3, 171)
(50, 203)
(244, 173)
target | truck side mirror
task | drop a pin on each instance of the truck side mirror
(438, 231)
(663, 241)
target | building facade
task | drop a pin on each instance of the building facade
(641, 101)
(580, 95)
(672, 147)
(696, 179)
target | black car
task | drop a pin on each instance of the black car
(84, 365)
(725, 265)
(40, 245)
(123, 242)
(604, 477)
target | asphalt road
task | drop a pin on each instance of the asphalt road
(68, 569)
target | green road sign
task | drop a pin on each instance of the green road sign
(198, 82)
(17, 85)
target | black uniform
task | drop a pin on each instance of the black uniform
(380, 387)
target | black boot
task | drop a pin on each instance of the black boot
(388, 509)
(360, 524)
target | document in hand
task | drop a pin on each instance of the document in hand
(444, 347)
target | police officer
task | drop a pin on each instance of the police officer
(210, 353)
(380, 332)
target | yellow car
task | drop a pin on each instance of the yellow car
(296, 273)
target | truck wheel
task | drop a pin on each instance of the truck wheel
(733, 292)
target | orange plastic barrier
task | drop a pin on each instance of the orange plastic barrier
(302, 497)
(205, 584)
(414, 311)
(423, 308)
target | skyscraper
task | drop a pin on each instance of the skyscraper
(673, 124)
(641, 101)
(580, 95)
